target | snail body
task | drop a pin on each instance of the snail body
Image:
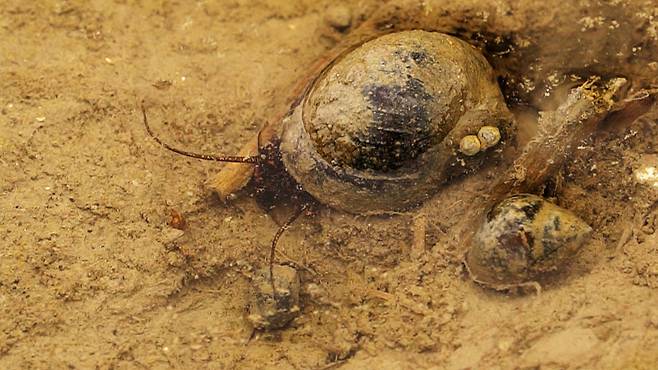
(380, 129)
(523, 238)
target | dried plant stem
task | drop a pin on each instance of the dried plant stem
(560, 132)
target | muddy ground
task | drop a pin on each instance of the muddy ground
(93, 276)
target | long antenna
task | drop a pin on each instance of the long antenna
(275, 241)
(206, 157)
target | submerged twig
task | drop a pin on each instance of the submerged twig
(560, 132)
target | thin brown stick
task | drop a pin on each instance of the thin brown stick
(560, 133)
(206, 157)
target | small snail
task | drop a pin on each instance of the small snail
(275, 301)
(523, 238)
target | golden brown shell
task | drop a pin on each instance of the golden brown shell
(523, 238)
(380, 129)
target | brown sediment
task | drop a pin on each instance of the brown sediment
(91, 275)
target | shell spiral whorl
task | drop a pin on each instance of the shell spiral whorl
(523, 238)
(387, 102)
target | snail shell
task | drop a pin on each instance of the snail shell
(269, 310)
(523, 238)
(380, 129)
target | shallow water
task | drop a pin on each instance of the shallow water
(92, 275)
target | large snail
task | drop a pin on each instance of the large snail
(386, 124)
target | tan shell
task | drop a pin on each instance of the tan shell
(380, 129)
(523, 238)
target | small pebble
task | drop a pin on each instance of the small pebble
(654, 321)
(470, 145)
(339, 17)
(489, 136)
(504, 345)
(647, 176)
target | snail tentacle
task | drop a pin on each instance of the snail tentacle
(206, 157)
(275, 241)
